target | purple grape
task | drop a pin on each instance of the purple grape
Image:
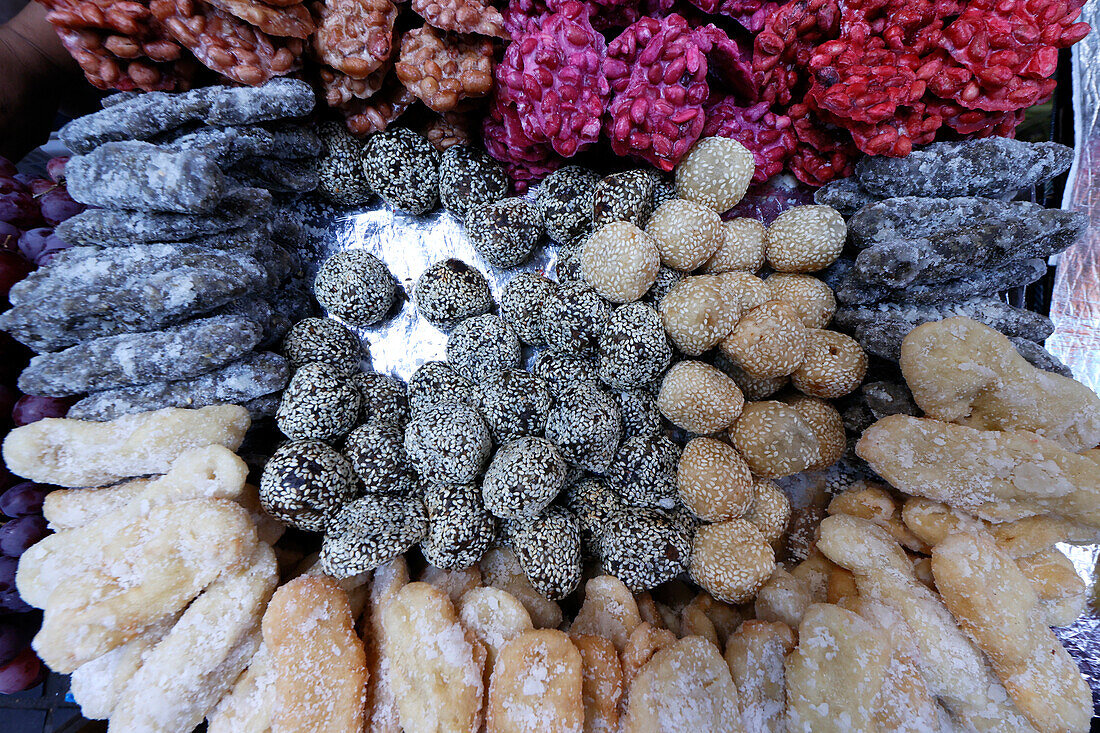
(57, 206)
(21, 673)
(20, 209)
(10, 185)
(13, 268)
(33, 242)
(54, 245)
(16, 535)
(32, 408)
(9, 594)
(7, 168)
(40, 186)
(23, 499)
(9, 237)
(55, 168)
(25, 178)
(12, 641)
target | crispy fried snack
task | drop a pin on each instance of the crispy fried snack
(537, 686)
(786, 598)
(1062, 594)
(755, 657)
(248, 705)
(500, 569)
(389, 578)
(609, 610)
(999, 476)
(495, 617)
(872, 502)
(441, 69)
(646, 641)
(997, 607)
(602, 687)
(462, 16)
(962, 371)
(292, 21)
(455, 583)
(354, 36)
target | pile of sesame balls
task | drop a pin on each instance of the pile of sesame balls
(668, 384)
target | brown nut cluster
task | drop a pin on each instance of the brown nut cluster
(687, 233)
(354, 36)
(741, 248)
(442, 69)
(118, 62)
(291, 21)
(775, 439)
(341, 90)
(805, 239)
(462, 16)
(714, 481)
(364, 116)
(620, 261)
(699, 398)
(731, 560)
(768, 342)
(834, 364)
(448, 129)
(813, 299)
(699, 312)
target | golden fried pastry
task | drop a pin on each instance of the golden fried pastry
(755, 655)
(494, 617)
(500, 569)
(785, 598)
(382, 715)
(609, 610)
(455, 583)
(602, 686)
(1062, 594)
(644, 642)
(248, 706)
(537, 685)
(875, 503)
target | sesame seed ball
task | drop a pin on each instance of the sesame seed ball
(741, 248)
(731, 560)
(626, 196)
(643, 471)
(377, 453)
(620, 261)
(549, 552)
(319, 404)
(525, 475)
(572, 318)
(564, 371)
(469, 178)
(698, 313)
(752, 388)
(665, 190)
(834, 365)
(482, 345)
(687, 233)
(744, 287)
(665, 282)
(768, 341)
(565, 200)
(586, 427)
(521, 305)
(827, 424)
(370, 531)
(716, 172)
(699, 398)
(403, 168)
(324, 340)
(593, 503)
(805, 239)
(568, 268)
(515, 404)
(771, 511)
(355, 286)
(340, 166)
(505, 232)
(305, 482)
(381, 397)
(774, 439)
(634, 350)
(639, 413)
(460, 530)
(450, 291)
(643, 548)
(713, 480)
(812, 299)
(448, 442)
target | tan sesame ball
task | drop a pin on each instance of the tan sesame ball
(620, 261)
(699, 398)
(742, 247)
(698, 313)
(813, 299)
(753, 388)
(834, 365)
(731, 560)
(768, 341)
(716, 172)
(774, 439)
(771, 511)
(748, 289)
(713, 480)
(805, 239)
(687, 233)
(828, 426)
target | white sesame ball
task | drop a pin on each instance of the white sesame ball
(812, 298)
(769, 341)
(714, 481)
(742, 247)
(805, 239)
(771, 510)
(731, 560)
(620, 261)
(833, 366)
(774, 439)
(699, 398)
(698, 313)
(687, 233)
(716, 172)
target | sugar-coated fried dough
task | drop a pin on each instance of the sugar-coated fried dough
(835, 673)
(603, 683)
(72, 508)
(755, 654)
(495, 617)
(1061, 591)
(247, 707)
(953, 667)
(455, 583)
(786, 598)
(78, 453)
(537, 686)
(999, 476)
(382, 715)
(644, 642)
(962, 371)
(997, 607)
(151, 569)
(500, 569)
(189, 671)
(609, 610)
(873, 502)
(320, 670)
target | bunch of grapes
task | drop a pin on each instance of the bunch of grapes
(29, 209)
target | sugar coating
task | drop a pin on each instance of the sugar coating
(716, 172)
(805, 238)
(521, 305)
(340, 166)
(643, 548)
(448, 442)
(324, 340)
(565, 199)
(827, 425)
(319, 403)
(371, 530)
(769, 341)
(626, 196)
(403, 167)
(482, 345)
(526, 474)
(586, 426)
(460, 529)
(634, 351)
(699, 398)
(355, 286)
(731, 560)
(451, 290)
(620, 261)
(377, 453)
(381, 397)
(469, 178)
(515, 404)
(714, 481)
(573, 317)
(549, 551)
(698, 312)
(741, 248)
(437, 381)
(774, 439)
(638, 409)
(687, 233)
(505, 232)
(643, 471)
(593, 502)
(564, 371)
(812, 298)
(771, 510)
(305, 482)
(833, 366)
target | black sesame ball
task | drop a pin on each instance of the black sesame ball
(305, 482)
(567, 268)
(340, 166)
(564, 371)
(565, 200)
(377, 453)
(403, 168)
(319, 403)
(521, 305)
(573, 317)
(355, 286)
(324, 340)
(634, 350)
(667, 278)
(469, 178)
(626, 196)
(586, 427)
(434, 382)
(460, 530)
(524, 477)
(638, 409)
(505, 232)
(514, 404)
(450, 291)
(643, 548)
(643, 471)
(381, 397)
(370, 531)
(482, 345)
(448, 443)
(665, 190)
(593, 502)
(549, 552)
